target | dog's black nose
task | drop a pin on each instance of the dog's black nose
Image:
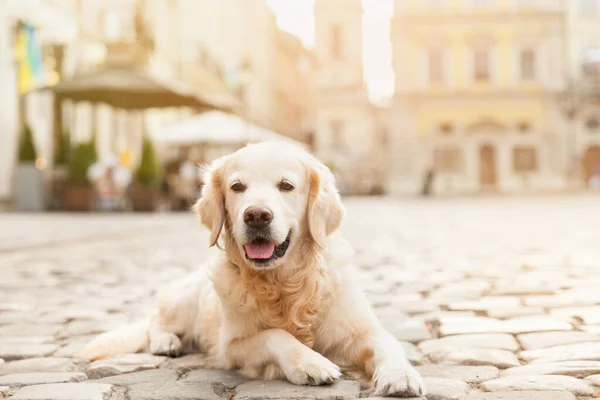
(256, 217)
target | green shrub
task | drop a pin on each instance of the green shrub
(148, 172)
(82, 157)
(61, 155)
(92, 145)
(27, 152)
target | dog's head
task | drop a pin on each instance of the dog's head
(268, 198)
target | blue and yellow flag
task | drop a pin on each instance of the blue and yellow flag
(29, 55)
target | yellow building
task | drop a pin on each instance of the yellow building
(477, 87)
(583, 54)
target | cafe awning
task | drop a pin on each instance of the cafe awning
(132, 88)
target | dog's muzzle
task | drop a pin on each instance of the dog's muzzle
(261, 248)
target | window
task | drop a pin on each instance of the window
(384, 137)
(524, 159)
(448, 159)
(446, 129)
(481, 65)
(527, 61)
(435, 66)
(337, 139)
(592, 124)
(524, 127)
(336, 41)
(587, 7)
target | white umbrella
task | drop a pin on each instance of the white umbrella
(218, 128)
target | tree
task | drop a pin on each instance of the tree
(80, 161)
(27, 152)
(148, 172)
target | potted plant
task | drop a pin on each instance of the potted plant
(60, 171)
(29, 184)
(79, 195)
(145, 191)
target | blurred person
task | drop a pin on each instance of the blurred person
(428, 182)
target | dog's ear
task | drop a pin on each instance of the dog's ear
(211, 206)
(325, 209)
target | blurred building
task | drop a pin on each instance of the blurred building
(582, 98)
(51, 24)
(477, 92)
(295, 90)
(346, 127)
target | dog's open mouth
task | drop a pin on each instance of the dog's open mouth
(262, 250)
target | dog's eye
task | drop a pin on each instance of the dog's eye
(285, 186)
(238, 187)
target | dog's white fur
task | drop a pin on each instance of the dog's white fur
(301, 317)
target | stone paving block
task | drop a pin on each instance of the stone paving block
(418, 307)
(271, 390)
(484, 303)
(79, 328)
(413, 331)
(514, 326)
(474, 356)
(186, 363)
(29, 330)
(444, 389)
(38, 378)
(590, 328)
(123, 364)
(390, 316)
(412, 353)
(524, 288)
(136, 378)
(542, 382)
(69, 391)
(501, 341)
(229, 379)
(48, 364)
(568, 352)
(583, 315)
(20, 351)
(525, 395)
(5, 391)
(552, 301)
(593, 380)
(532, 341)
(578, 369)
(511, 312)
(444, 316)
(4, 340)
(463, 373)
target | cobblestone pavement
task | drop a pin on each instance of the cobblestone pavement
(493, 299)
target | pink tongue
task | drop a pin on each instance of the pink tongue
(260, 250)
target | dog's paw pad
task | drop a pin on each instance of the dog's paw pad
(167, 344)
(398, 381)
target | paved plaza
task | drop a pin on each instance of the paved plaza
(493, 299)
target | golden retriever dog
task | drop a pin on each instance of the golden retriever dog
(281, 301)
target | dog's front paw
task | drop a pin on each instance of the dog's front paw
(312, 369)
(398, 380)
(166, 344)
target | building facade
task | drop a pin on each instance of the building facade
(295, 80)
(345, 120)
(478, 85)
(582, 107)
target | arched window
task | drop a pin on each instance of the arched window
(336, 41)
